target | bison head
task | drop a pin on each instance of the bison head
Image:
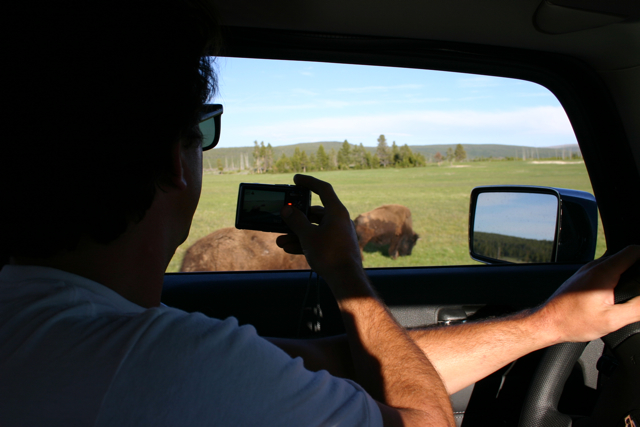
(406, 244)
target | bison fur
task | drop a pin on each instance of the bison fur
(230, 249)
(387, 225)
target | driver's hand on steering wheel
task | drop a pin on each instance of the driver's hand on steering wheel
(583, 308)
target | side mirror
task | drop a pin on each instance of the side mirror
(522, 224)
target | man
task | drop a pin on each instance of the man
(100, 188)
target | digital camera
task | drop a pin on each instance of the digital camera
(259, 205)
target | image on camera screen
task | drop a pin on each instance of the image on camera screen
(263, 206)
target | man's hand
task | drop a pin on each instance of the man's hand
(583, 308)
(330, 245)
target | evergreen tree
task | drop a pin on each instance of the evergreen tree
(304, 162)
(396, 160)
(333, 159)
(344, 155)
(295, 160)
(450, 155)
(406, 158)
(359, 157)
(257, 159)
(262, 157)
(460, 154)
(375, 161)
(313, 162)
(419, 160)
(268, 158)
(383, 152)
(322, 159)
(283, 165)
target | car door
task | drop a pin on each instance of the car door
(297, 304)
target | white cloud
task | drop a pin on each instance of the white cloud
(534, 94)
(479, 81)
(370, 89)
(538, 126)
(238, 108)
(475, 98)
(411, 100)
(396, 134)
(539, 120)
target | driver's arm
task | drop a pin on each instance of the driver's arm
(386, 362)
(581, 310)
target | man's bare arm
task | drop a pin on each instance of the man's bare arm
(581, 310)
(387, 363)
(461, 354)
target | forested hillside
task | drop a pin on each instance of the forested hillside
(263, 157)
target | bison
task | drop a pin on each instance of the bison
(230, 249)
(387, 225)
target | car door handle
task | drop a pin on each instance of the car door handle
(451, 315)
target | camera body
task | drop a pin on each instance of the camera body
(259, 205)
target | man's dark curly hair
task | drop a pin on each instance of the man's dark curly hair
(99, 93)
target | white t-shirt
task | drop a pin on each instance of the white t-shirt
(75, 353)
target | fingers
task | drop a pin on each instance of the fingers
(327, 237)
(606, 272)
(621, 261)
(296, 221)
(289, 243)
(629, 312)
(323, 189)
(300, 225)
(584, 308)
(316, 213)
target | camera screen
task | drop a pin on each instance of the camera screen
(262, 206)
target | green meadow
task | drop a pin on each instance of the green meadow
(438, 197)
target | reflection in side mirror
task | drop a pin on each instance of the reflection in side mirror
(522, 224)
(515, 227)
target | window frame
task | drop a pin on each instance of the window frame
(578, 88)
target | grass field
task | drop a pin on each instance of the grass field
(438, 197)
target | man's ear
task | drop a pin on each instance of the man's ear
(176, 177)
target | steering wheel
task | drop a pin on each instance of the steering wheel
(619, 400)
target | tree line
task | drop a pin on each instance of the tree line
(458, 155)
(349, 156)
(516, 249)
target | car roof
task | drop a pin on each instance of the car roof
(590, 30)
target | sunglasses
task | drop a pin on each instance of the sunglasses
(210, 125)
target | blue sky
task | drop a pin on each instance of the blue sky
(288, 102)
(532, 216)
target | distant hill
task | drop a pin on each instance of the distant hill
(500, 151)
(231, 156)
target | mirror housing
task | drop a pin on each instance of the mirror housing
(526, 224)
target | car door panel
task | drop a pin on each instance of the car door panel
(294, 304)
(273, 301)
